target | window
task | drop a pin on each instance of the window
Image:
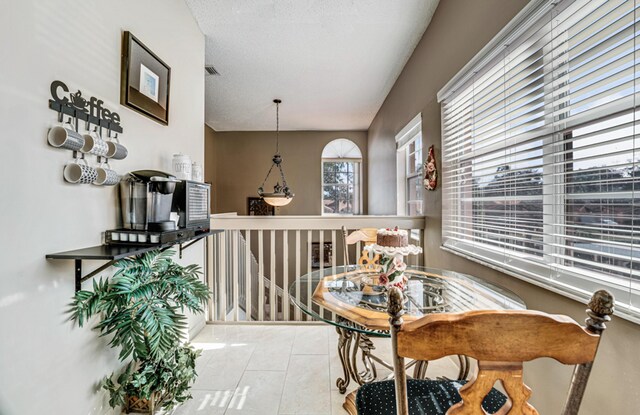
(409, 163)
(341, 183)
(539, 151)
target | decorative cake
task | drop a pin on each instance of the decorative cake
(392, 237)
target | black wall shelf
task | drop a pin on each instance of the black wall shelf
(113, 253)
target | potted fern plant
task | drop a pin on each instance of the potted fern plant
(141, 307)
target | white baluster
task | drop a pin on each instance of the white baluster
(273, 305)
(285, 275)
(223, 277)
(308, 280)
(334, 251)
(260, 275)
(247, 274)
(236, 275)
(210, 273)
(298, 313)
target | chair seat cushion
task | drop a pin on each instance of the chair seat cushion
(426, 397)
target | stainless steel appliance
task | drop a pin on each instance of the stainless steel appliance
(145, 199)
(192, 201)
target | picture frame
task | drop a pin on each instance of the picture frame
(256, 206)
(327, 255)
(145, 80)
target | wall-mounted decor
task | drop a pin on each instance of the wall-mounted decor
(430, 171)
(90, 110)
(85, 140)
(144, 82)
(327, 254)
(256, 206)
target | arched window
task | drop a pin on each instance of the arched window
(341, 178)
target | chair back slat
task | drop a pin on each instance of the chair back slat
(512, 336)
(474, 392)
(367, 260)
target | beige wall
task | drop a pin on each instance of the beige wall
(459, 29)
(46, 365)
(210, 171)
(242, 159)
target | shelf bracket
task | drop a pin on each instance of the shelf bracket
(80, 279)
(182, 247)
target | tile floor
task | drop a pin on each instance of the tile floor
(275, 369)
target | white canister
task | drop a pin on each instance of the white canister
(196, 172)
(182, 166)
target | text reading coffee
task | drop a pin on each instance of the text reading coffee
(60, 94)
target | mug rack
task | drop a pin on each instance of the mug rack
(79, 109)
(77, 114)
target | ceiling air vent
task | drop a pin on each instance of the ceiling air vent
(210, 70)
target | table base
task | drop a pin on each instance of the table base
(355, 347)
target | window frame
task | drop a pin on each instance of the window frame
(407, 136)
(357, 185)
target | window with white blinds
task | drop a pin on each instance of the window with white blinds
(539, 152)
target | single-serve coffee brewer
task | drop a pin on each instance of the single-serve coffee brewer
(145, 200)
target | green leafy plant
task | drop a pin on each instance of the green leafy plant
(141, 308)
(165, 382)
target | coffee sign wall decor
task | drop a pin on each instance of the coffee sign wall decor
(85, 140)
(90, 110)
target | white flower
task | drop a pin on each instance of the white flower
(399, 264)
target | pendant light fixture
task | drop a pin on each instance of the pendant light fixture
(281, 195)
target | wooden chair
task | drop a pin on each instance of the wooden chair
(500, 341)
(367, 236)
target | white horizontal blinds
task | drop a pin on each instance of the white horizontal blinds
(597, 76)
(596, 233)
(493, 156)
(539, 152)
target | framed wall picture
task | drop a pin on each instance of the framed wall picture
(326, 255)
(256, 206)
(144, 81)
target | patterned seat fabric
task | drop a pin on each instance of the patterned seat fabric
(426, 397)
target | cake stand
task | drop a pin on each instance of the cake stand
(392, 265)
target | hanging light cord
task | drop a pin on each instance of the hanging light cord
(277, 128)
(277, 155)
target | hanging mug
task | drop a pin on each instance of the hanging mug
(106, 176)
(65, 136)
(116, 150)
(79, 172)
(94, 144)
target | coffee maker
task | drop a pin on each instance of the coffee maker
(145, 199)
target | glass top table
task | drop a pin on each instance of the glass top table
(347, 296)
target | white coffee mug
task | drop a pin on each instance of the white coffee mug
(65, 136)
(94, 144)
(106, 176)
(116, 150)
(79, 172)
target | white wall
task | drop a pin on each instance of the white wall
(46, 365)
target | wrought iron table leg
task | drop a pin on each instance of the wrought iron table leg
(420, 369)
(465, 366)
(345, 340)
(365, 345)
(350, 343)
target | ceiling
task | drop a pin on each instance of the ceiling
(332, 62)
